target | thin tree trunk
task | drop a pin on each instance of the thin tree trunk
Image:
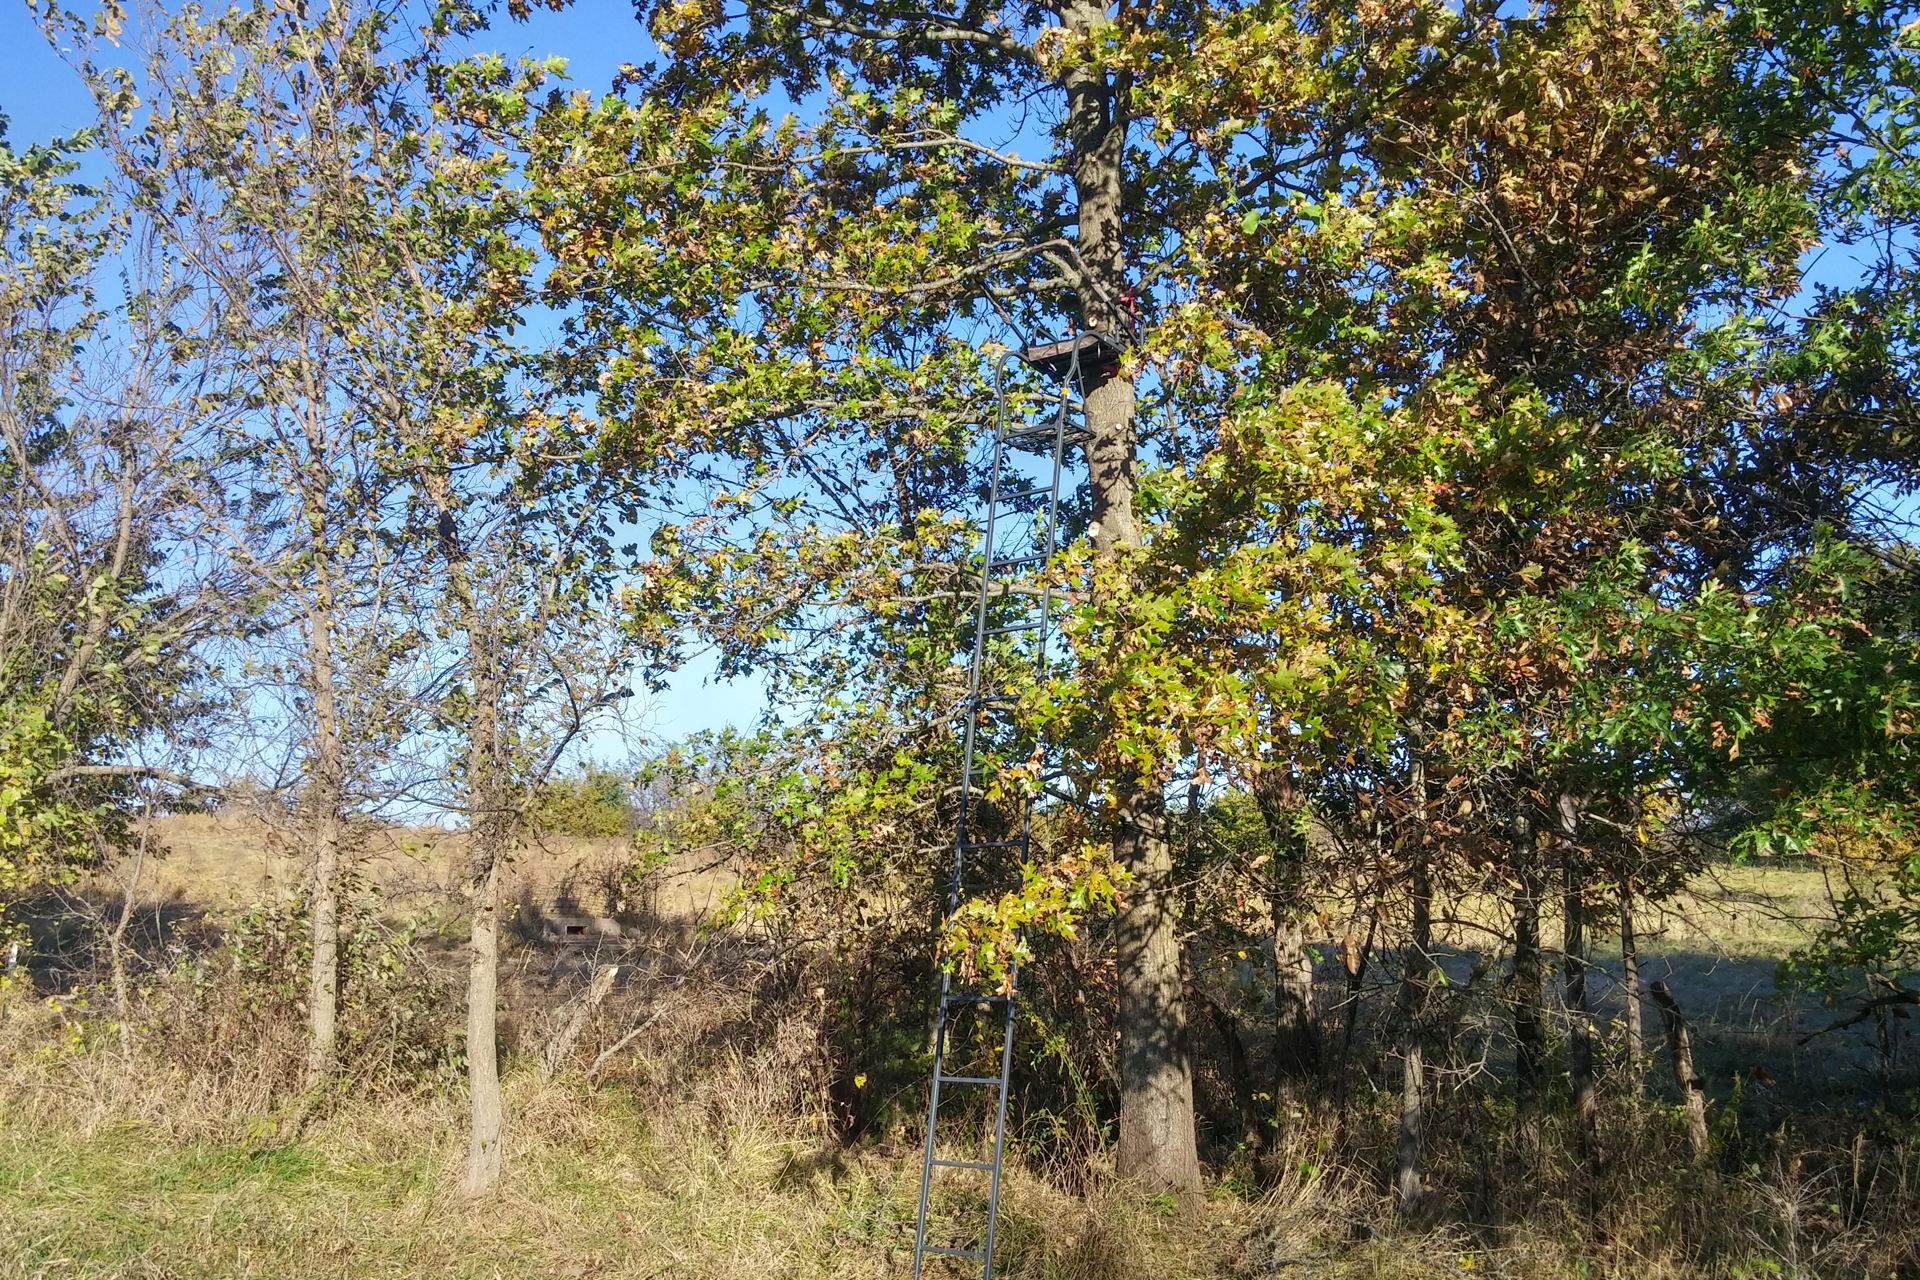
(117, 942)
(1573, 945)
(325, 788)
(1157, 1144)
(1356, 983)
(1530, 1075)
(1413, 992)
(1239, 1070)
(1630, 984)
(488, 1125)
(1692, 1088)
(490, 824)
(490, 821)
(100, 605)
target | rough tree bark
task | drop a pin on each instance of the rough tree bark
(1413, 990)
(490, 822)
(1157, 1144)
(487, 1126)
(1573, 945)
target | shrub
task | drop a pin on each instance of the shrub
(593, 802)
(243, 1001)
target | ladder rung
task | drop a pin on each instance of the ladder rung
(962, 1164)
(953, 1253)
(973, 997)
(991, 844)
(1038, 491)
(994, 566)
(1018, 626)
(969, 1079)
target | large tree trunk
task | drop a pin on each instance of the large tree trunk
(1573, 946)
(1630, 988)
(1296, 1027)
(1530, 1065)
(1157, 1143)
(1413, 991)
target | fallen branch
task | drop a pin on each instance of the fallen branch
(562, 1041)
(593, 1072)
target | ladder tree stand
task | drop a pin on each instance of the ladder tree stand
(1019, 539)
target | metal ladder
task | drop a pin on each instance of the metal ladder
(1012, 549)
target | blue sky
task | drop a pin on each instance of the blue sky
(38, 92)
(43, 98)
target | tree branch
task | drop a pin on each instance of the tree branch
(128, 771)
(1867, 1010)
(936, 34)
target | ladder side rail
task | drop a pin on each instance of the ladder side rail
(1067, 389)
(1049, 545)
(1048, 541)
(993, 504)
(933, 1116)
(1000, 1126)
(971, 706)
(977, 661)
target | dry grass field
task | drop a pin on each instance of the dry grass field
(222, 863)
(698, 1149)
